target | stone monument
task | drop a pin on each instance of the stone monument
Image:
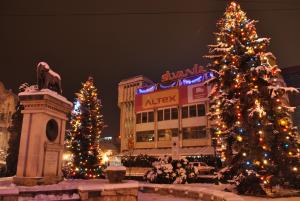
(43, 130)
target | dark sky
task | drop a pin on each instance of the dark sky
(113, 40)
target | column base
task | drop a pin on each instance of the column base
(34, 181)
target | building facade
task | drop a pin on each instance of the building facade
(291, 77)
(8, 101)
(126, 102)
(167, 118)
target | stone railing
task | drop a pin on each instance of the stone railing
(186, 191)
(81, 190)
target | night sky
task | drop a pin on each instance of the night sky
(114, 40)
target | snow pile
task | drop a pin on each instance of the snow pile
(41, 197)
(116, 168)
(168, 171)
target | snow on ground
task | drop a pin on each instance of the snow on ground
(249, 198)
(158, 197)
(221, 187)
(6, 184)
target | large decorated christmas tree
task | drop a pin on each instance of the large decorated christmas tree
(83, 137)
(249, 101)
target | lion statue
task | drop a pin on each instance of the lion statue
(47, 78)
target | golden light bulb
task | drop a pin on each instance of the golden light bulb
(239, 138)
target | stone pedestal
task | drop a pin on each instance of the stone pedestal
(115, 174)
(42, 138)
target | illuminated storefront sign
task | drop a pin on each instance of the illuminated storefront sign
(197, 93)
(170, 76)
(157, 99)
(172, 97)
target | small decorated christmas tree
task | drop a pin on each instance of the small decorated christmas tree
(249, 101)
(83, 138)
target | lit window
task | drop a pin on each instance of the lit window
(145, 136)
(174, 113)
(167, 134)
(194, 132)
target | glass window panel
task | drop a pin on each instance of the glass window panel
(201, 110)
(174, 113)
(184, 111)
(160, 115)
(138, 118)
(150, 116)
(145, 136)
(167, 115)
(193, 111)
(174, 132)
(194, 132)
(144, 117)
(167, 134)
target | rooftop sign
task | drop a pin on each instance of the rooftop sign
(171, 76)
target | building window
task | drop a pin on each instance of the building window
(167, 134)
(160, 115)
(138, 118)
(150, 116)
(175, 132)
(200, 110)
(145, 136)
(167, 114)
(185, 112)
(194, 132)
(174, 113)
(2, 116)
(144, 117)
(193, 111)
(164, 135)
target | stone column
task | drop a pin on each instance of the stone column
(42, 137)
